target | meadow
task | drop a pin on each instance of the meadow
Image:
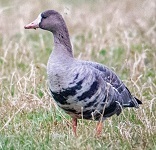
(120, 34)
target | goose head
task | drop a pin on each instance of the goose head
(49, 20)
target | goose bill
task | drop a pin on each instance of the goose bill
(34, 24)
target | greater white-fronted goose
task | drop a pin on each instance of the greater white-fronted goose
(83, 89)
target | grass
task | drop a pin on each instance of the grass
(119, 34)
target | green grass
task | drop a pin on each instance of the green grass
(119, 34)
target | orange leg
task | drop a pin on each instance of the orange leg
(74, 125)
(99, 128)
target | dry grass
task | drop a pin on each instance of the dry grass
(119, 34)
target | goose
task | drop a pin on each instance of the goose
(83, 89)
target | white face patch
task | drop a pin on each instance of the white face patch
(38, 20)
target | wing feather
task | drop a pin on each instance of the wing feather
(124, 96)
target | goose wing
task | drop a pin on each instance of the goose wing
(124, 96)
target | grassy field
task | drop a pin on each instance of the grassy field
(119, 34)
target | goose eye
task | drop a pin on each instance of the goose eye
(44, 17)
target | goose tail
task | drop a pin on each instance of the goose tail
(135, 102)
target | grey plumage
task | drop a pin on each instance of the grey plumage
(82, 89)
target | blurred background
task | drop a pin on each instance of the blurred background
(99, 16)
(120, 34)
